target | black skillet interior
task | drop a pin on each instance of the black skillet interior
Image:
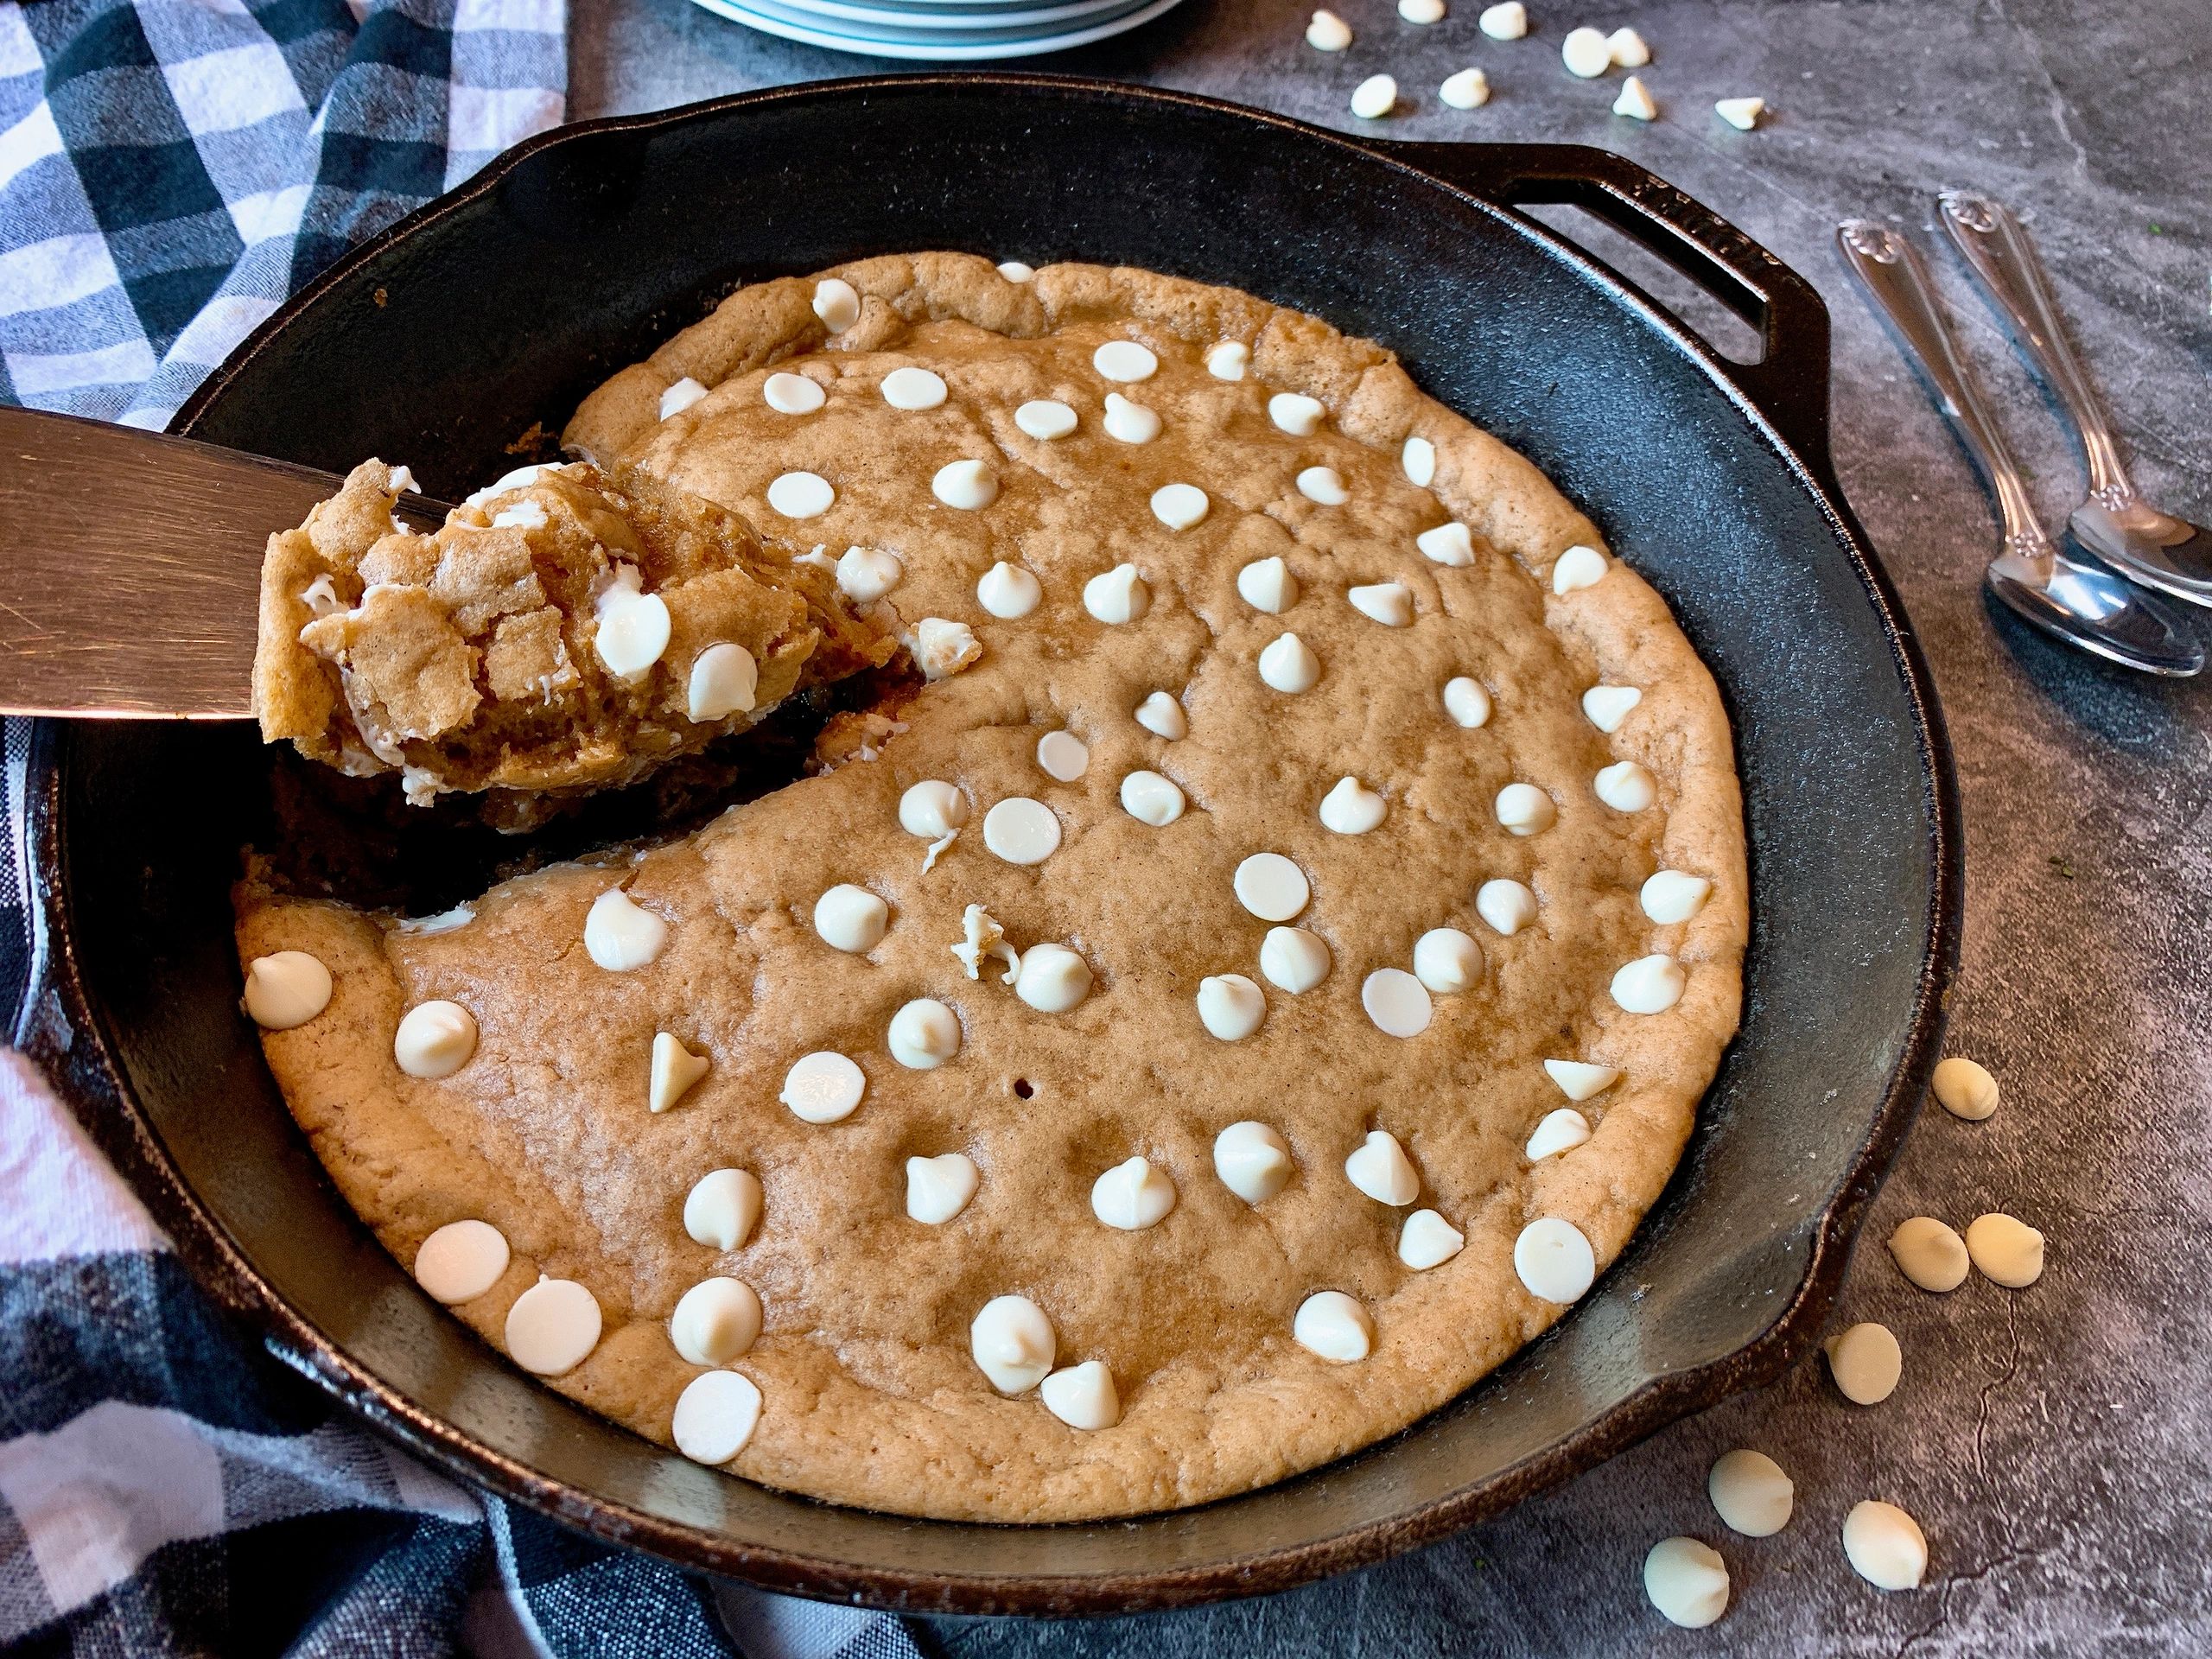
(438, 344)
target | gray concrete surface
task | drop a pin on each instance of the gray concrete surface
(2054, 1442)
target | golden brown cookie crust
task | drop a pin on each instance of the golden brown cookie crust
(872, 1397)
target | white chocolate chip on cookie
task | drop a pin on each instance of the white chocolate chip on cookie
(792, 394)
(1022, 832)
(462, 1260)
(1180, 506)
(1252, 1159)
(1324, 485)
(1271, 887)
(1673, 896)
(1230, 1007)
(923, 1034)
(867, 574)
(1607, 706)
(1132, 1195)
(1468, 701)
(1289, 665)
(621, 934)
(675, 1069)
(1578, 567)
(1294, 960)
(1082, 1396)
(942, 648)
(715, 1321)
(969, 484)
(825, 1087)
(1507, 906)
(1295, 413)
(1378, 1166)
(1124, 361)
(837, 303)
(1268, 586)
(801, 495)
(724, 681)
(722, 1209)
(435, 1039)
(1128, 422)
(1397, 1002)
(1560, 1131)
(1012, 1344)
(1332, 1325)
(552, 1327)
(914, 389)
(939, 1188)
(1163, 716)
(1044, 419)
(1626, 786)
(1553, 1259)
(1417, 457)
(1389, 603)
(932, 810)
(851, 919)
(1650, 985)
(1117, 596)
(286, 989)
(1525, 810)
(1009, 592)
(1052, 978)
(1447, 961)
(1014, 271)
(1062, 756)
(1351, 809)
(630, 629)
(1581, 1080)
(1428, 1241)
(1150, 798)
(715, 1416)
(1229, 359)
(677, 399)
(1447, 544)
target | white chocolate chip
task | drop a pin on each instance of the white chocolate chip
(1324, 485)
(1132, 1195)
(1428, 1241)
(1525, 810)
(521, 479)
(1930, 1253)
(1965, 1088)
(1163, 716)
(1351, 807)
(923, 1034)
(552, 1326)
(321, 596)
(1687, 1580)
(1447, 544)
(1271, 887)
(1387, 603)
(851, 919)
(1865, 1362)
(1626, 786)
(1447, 961)
(1295, 413)
(1062, 756)
(722, 1209)
(1650, 985)
(435, 1039)
(792, 394)
(1290, 666)
(1014, 271)
(1468, 89)
(943, 648)
(1562, 1130)
(1330, 1323)
(1884, 1546)
(1636, 101)
(1374, 98)
(914, 389)
(675, 1069)
(1607, 706)
(1509, 21)
(867, 574)
(1022, 832)
(1741, 113)
(462, 1260)
(1268, 586)
(1012, 1343)
(1230, 1007)
(1553, 1259)
(1044, 419)
(825, 1087)
(725, 681)
(1379, 1168)
(523, 515)
(1468, 701)
(286, 989)
(1179, 506)
(1418, 458)
(715, 1321)
(1009, 592)
(1750, 1493)
(1292, 959)
(621, 934)
(1117, 596)
(1052, 978)
(939, 1188)
(1124, 361)
(836, 303)
(801, 495)
(1672, 896)
(632, 630)
(1581, 1080)
(677, 399)
(2006, 1251)
(982, 937)
(969, 485)
(1586, 53)
(1150, 798)
(403, 480)
(1421, 11)
(715, 1416)
(444, 922)
(1128, 422)
(1626, 48)
(1082, 1396)
(1229, 359)
(1252, 1159)
(932, 810)
(1506, 905)
(1578, 566)
(1397, 1001)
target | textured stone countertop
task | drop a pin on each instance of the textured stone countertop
(2054, 1442)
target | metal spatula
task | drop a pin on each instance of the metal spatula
(130, 567)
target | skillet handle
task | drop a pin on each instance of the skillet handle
(1789, 385)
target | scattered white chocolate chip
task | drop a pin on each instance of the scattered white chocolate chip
(1044, 419)
(715, 1416)
(792, 394)
(1290, 666)
(2009, 1252)
(1292, 959)
(722, 1209)
(462, 1260)
(942, 648)
(677, 399)
(1581, 1080)
(1509, 21)
(1009, 592)
(1150, 798)
(1082, 1396)
(1741, 113)
(932, 810)
(1268, 586)
(851, 919)
(1636, 101)
(836, 303)
(969, 485)
(1466, 89)
(982, 937)
(1351, 807)
(1965, 1088)
(285, 989)
(1687, 1580)
(1012, 1343)
(825, 1087)
(1584, 53)
(1271, 887)
(939, 1188)
(1626, 48)
(1578, 566)
(867, 574)
(724, 681)
(1865, 1362)
(1179, 506)
(715, 1321)
(435, 1039)
(1447, 961)
(923, 1034)
(1128, 422)
(1421, 11)
(1447, 544)
(1884, 1546)
(1673, 896)
(1525, 810)
(1014, 271)
(1052, 978)
(1132, 1195)
(1022, 832)
(1417, 456)
(1397, 1001)
(1374, 98)
(1124, 361)
(1750, 1493)
(1468, 701)
(1428, 1241)
(1389, 603)
(1295, 413)
(1163, 716)
(1559, 1131)
(1230, 1007)
(523, 515)
(675, 1069)
(1553, 1259)
(1252, 1159)
(1626, 786)
(1324, 485)
(1379, 1168)
(552, 1326)
(1650, 985)
(621, 934)
(1330, 1323)
(1117, 596)
(801, 495)
(1930, 1253)
(632, 627)
(914, 389)
(1606, 705)
(1506, 905)
(1061, 756)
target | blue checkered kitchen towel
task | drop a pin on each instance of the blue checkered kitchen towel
(170, 170)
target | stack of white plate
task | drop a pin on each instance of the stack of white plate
(945, 31)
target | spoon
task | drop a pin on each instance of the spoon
(2115, 523)
(2079, 603)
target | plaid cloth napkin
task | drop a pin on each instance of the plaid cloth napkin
(170, 170)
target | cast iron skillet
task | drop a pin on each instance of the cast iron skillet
(437, 342)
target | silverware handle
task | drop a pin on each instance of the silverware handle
(1997, 248)
(1890, 270)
